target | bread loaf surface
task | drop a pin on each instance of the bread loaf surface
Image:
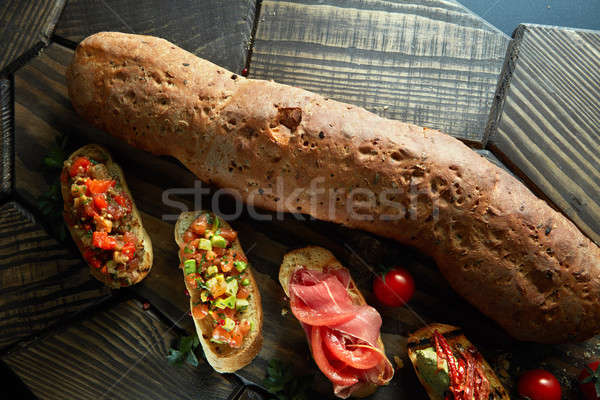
(503, 249)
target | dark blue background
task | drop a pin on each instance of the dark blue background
(507, 14)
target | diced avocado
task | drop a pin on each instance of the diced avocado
(189, 266)
(245, 282)
(229, 324)
(204, 244)
(241, 304)
(438, 381)
(213, 269)
(240, 265)
(232, 287)
(229, 302)
(251, 325)
(204, 296)
(218, 241)
(188, 250)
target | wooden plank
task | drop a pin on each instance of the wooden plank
(43, 109)
(213, 29)
(119, 353)
(546, 120)
(41, 282)
(7, 135)
(25, 28)
(428, 62)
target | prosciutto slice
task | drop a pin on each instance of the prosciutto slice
(321, 302)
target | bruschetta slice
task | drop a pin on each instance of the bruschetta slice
(466, 376)
(103, 219)
(342, 330)
(224, 298)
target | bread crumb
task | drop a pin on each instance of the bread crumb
(399, 363)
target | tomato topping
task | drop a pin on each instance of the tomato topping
(244, 327)
(221, 334)
(104, 270)
(336, 376)
(79, 166)
(98, 186)
(100, 201)
(243, 293)
(103, 241)
(90, 257)
(227, 264)
(121, 200)
(228, 234)
(128, 250)
(355, 356)
(191, 280)
(188, 236)
(199, 311)
(199, 225)
(88, 211)
(236, 339)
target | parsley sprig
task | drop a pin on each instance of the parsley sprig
(184, 351)
(50, 203)
(284, 383)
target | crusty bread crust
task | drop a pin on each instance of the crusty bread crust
(98, 152)
(503, 249)
(223, 358)
(317, 258)
(423, 338)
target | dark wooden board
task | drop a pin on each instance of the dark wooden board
(428, 62)
(43, 109)
(546, 119)
(7, 135)
(25, 28)
(213, 29)
(118, 353)
(41, 282)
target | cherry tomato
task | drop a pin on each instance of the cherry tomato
(395, 288)
(80, 165)
(539, 384)
(589, 381)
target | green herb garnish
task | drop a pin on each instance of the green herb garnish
(184, 351)
(284, 383)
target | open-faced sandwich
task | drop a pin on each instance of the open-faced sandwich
(102, 218)
(224, 298)
(450, 367)
(342, 330)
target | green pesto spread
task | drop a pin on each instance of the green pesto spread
(437, 381)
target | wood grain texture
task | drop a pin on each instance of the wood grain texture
(119, 353)
(25, 28)
(7, 135)
(428, 62)
(547, 121)
(41, 282)
(43, 109)
(213, 29)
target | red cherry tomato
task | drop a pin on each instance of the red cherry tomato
(395, 288)
(539, 384)
(589, 381)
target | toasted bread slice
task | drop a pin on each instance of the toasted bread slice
(222, 357)
(101, 154)
(317, 258)
(423, 339)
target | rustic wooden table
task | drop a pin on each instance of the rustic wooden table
(531, 101)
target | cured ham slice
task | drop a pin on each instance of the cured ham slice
(343, 335)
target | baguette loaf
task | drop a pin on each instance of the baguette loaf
(506, 251)
(222, 357)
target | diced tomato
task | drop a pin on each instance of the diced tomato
(79, 166)
(244, 327)
(88, 211)
(89, 256)
(336, 376)
(227, 264)
(188, 236)
(103, 241)
(356, 357)
(219, 251)
(229, 234)
(128, 249)
(98, 186)
(221, 334)
(199, 311)
(236, 339)
(199, 225)
(243, 293)
(210, 255)
(228, 312)
(121, 200)
(129, 237)
(100, 201)
(191, 280)
(104, 270)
